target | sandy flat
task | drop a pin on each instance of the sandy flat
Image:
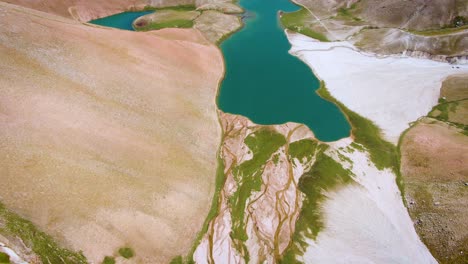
(366, 221)
(391, 91)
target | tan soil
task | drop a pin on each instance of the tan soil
(455, 88)
(434, 165)
(108, 138)
(460, 113)
(215, 25)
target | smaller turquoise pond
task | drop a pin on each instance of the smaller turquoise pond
(122, 21)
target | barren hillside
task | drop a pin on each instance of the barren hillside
(108, 138)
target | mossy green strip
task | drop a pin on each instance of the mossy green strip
(439, 32)
(382, 153)
(324, 175)
(177, 260)
(295, 21)
(301, 149)
(263, 143)
(214, 209)
(176, 23)
(42, 244)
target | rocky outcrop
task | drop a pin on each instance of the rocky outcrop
(451, 48)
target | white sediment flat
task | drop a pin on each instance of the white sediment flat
(392, 91)
(366, 221)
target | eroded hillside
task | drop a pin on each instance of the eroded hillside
(434, 167)
(109, 137)
(429, 29)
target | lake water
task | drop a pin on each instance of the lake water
(122, 21)
(263, 81)
(268, 85)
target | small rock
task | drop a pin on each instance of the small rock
(436, 203)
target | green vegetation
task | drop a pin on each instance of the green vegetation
(324, 175)
(295, 21)
(346, 13)
(41, 243)
(442, 31)
(263, 143)
(108, 260)
(176, 8)
(301, 149)
(441, 111)
(214, 209)
(366, 134)
(176, 23)
(4, 258)
(126, 252)
(459, 21)
(382, 153)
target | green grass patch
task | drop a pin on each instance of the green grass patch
(4, 258)
(263, 143)
(108, 260)
(295, 21)
(346, 14)
(126, 252)
(42, 244)
(301, 149)
(177, 260)
(176, 8)
(324, 175)
(176, 23)
(442, 110)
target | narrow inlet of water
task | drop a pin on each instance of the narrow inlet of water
(268, 85)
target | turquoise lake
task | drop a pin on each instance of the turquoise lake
(122, 21)
(263, 81)
(268, 85)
